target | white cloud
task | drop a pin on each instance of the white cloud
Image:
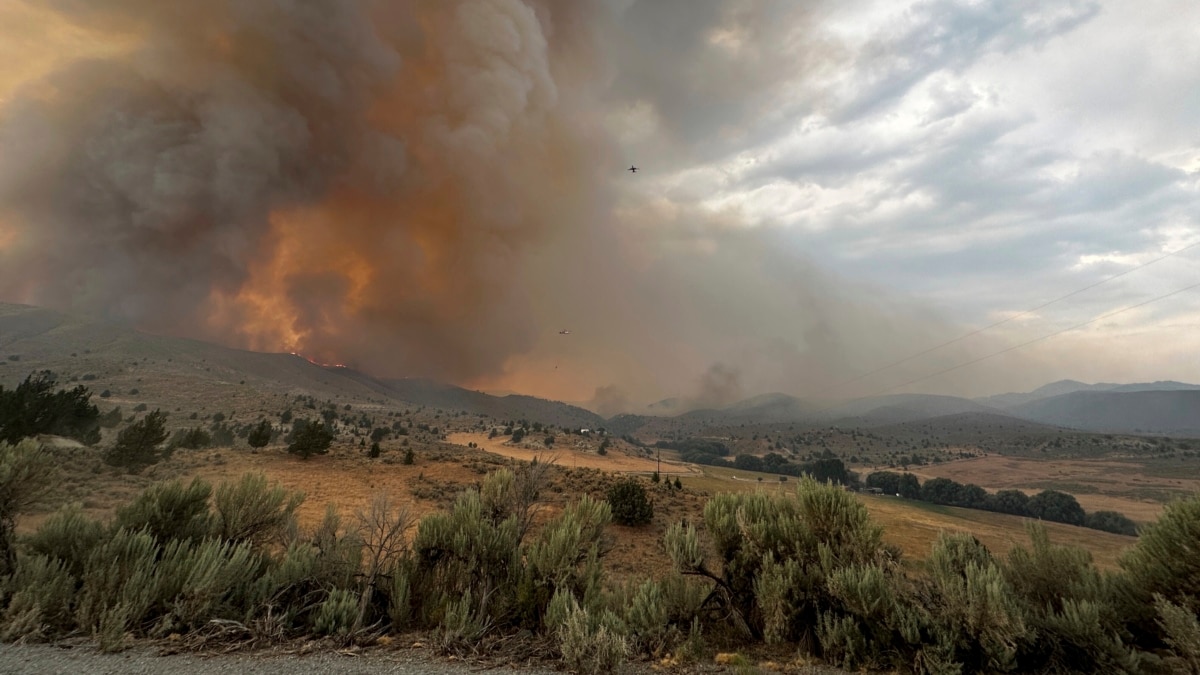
(985, 157)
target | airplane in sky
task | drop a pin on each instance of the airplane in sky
(564, 332)
(633, 169)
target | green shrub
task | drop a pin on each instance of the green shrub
(40, 606)
(191, 439)
(777, 553)
(468, 549)
(337, 616)
(565, 557)
(35, 408)
(590, 645)
(1111, 521)
(254, 512)
(1181, 632)
(67, 536)
(118, 587)
(659, 615)
(196, 583)
(26, 472)
(974, 617)
(1069, 608)
(1165, 559)
(1056, 506)
(169, 511)
(629, 503)
(464, 622)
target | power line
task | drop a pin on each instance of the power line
(1026, 344)
(1014, 317)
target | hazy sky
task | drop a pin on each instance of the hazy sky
(436, 188)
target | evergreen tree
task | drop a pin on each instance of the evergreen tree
(629, 503)
(137, 444)
(310, 438)
(34, 408)
(260, 435)
(1056, 506)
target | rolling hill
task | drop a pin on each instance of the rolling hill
(1168, 412)
(185, 375)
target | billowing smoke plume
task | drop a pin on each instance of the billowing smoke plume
(425, 188)
(355, 180)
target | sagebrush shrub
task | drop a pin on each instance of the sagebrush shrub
(660, 615)
(1181, 631)
(252, 511)
(42, 590)
(169, 511)
(196, 583)
(1166, 559)
(590, 645)
(118, 587)
(1069, 606)
(26, 472)
(68, 536)
(777, 552)
(338, 615)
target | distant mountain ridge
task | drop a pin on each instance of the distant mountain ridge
(1062, 387)
(175, 372)
(1166, 412)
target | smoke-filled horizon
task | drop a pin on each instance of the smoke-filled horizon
(436, 188)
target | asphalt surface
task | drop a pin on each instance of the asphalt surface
(78, 660)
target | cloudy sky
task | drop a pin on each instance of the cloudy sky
(436, 188)
(981, 157)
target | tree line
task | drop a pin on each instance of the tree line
(1051, 505)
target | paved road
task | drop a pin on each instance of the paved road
(56, 660)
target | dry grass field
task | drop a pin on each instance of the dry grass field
(1124, 486)
(915, 526)
(347, 480)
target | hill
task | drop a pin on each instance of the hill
(1173, 413)
(510, 407)
(899, 408)
(1062, 387)
(183, 375)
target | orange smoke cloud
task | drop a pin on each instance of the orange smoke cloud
(354, 181)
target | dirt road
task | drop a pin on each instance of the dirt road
(613, 461)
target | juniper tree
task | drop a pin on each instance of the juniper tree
(137, 444)
(34, 408)
(260, 435)
(310, 438)
(629, 503)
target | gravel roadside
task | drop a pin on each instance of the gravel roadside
(76, 660)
